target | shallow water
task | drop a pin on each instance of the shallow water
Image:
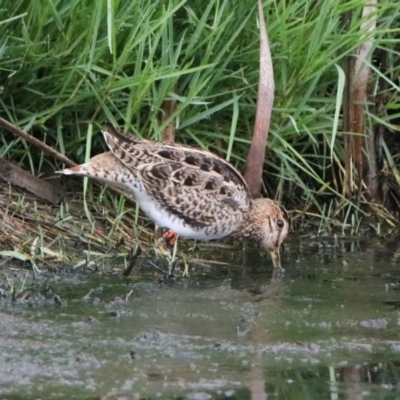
(329, 328)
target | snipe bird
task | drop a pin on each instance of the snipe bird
(192, 192)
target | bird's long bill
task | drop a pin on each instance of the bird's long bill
(275, 256)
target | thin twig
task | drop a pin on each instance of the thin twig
(36, 142)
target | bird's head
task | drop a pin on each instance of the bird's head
(273, 227)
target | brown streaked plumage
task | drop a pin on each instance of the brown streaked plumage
(195, 193)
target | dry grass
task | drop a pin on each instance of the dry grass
(51, 237)
(52, 234)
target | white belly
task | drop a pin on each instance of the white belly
(164, 219)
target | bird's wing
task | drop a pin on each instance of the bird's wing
(192, 184)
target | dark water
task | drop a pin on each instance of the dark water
(328, 329)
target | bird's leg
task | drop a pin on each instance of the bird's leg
(169, 236)
(167, 245)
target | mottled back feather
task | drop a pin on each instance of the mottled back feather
(196, 186)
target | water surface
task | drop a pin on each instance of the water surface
(329, 328)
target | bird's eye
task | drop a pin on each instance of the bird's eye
(280, 223)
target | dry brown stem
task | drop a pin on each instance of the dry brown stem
(265, 100)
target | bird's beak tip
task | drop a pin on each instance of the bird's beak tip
(275, 256)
